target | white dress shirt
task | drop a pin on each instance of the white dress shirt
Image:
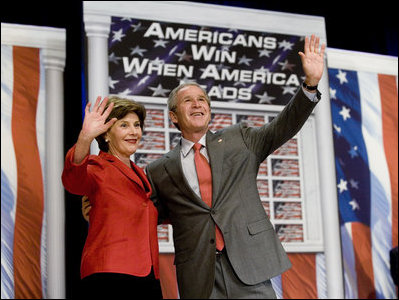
(188, 164)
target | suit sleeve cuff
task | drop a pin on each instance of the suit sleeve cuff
(311, 96)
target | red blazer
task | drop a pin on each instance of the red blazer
(122, 235)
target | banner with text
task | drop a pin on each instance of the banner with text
(150, 58)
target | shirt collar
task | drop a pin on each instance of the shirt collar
(186, 145)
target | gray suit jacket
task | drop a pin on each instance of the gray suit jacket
(252, 245)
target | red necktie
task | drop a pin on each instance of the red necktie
(205, 184)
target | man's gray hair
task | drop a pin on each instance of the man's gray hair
(172, 100)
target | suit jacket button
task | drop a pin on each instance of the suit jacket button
(212, 241)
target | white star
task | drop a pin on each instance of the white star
(285, 65)
(225, 48)
(125, 93)
(353, 152)
(345, 112)
(289, 89)
(222, 66)
(185, 79)
(354, 204)
(337, 128)
(157, 61)
(333, 94)
(262, 69)
(113, 58)
(160, 43)
(136, 27)
(264, 52)
(112, 82)
(118, 35)
(183, 56)
(342, 185)
(133, 73)
(126, 19)
(265, 98)
(137, 50)
(342, 77)
(354, 184)
(286, 45)
(244, 60)
(159, 90)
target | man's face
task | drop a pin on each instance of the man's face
(193, 113)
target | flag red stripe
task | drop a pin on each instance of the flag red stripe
(300, 282)
(389, 111)
(361, 237)
(29, 209)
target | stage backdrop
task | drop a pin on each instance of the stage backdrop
(31, 258)
(364, 107)
(248, 62)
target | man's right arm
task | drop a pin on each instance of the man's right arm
(266, 139)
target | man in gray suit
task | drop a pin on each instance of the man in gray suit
(249, 252)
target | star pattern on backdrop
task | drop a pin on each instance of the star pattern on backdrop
(351, 155)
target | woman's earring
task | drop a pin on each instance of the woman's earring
(106, 140)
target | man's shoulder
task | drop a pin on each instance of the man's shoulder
(156, 163)
(228, 130)
(162, 160)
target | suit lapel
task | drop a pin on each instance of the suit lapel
(133, 175)
(215, 147)
(142, 179)
(174, 168)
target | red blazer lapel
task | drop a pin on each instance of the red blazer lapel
(143, 178)
(136, 174)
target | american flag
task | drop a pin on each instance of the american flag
(365, 123)
(23, 229)
(251, 121)
(220, 121)
(289, 148)
(154, 118)
(153, 141)
(288, 210)
(285, 167)
(286, 189)
(263, 188)
(131, 53)
(290, 233)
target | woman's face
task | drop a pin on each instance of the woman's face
(124, 136)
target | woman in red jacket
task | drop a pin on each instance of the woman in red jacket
(120, 256)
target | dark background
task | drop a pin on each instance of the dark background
(372, 29)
